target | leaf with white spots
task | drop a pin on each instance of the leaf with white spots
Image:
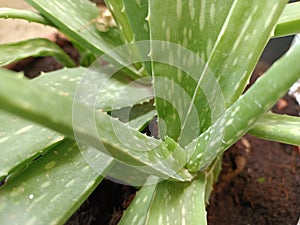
(65, 82)
(22, 141)
(51, 189)
(229, 37)
(279, 128)
(136, 213)
(77, 25)
(97, 129)
(36, 140)
(35, 47)
(178, 203)
(130, 16)
(248, 109)
(170, 203)
(73, 24)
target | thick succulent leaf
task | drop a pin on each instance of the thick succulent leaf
(50, 190)
(65, 82)
(77, 25)
(137, 211)
(242, 47)
(22, 141)
(279, 128)
(36, 140)
(169, 203)
(289, 21)
(35, 47)
(212, 176)
(228, 37)
(80, 13)
(243, 114)
(135, 117)
(23, 14)
(130, 17)
(54, 110)
(182, 116)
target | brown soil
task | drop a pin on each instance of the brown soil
(259, 183)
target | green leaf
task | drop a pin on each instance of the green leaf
(173, 201)
(279, 128)
(23, 14)
(289, 21)
(36, 140)
(80, 13)
(22, 141)
(110, 89)
(50, 190)
(130, 17)
(243, 114)
(228, 37)
(76, 24)
(136, 213)
(55, 111)
(35, 47)
(169, 203)
(118, 10)
(137, 12)
(228, 34)
(136, 116)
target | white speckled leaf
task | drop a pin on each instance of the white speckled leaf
(50, 190)
(178, 203)
(130, 16)
(22, 141)
(79, 14)
(248, 109)
(35, 139)
(75, 25)
(279, 128)
(65, 82)
(229, 36)
(137, 211)
(169, 203)
(55, 111)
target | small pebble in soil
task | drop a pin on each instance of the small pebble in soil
(282, 104)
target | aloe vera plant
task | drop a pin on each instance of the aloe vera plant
(185, 62)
